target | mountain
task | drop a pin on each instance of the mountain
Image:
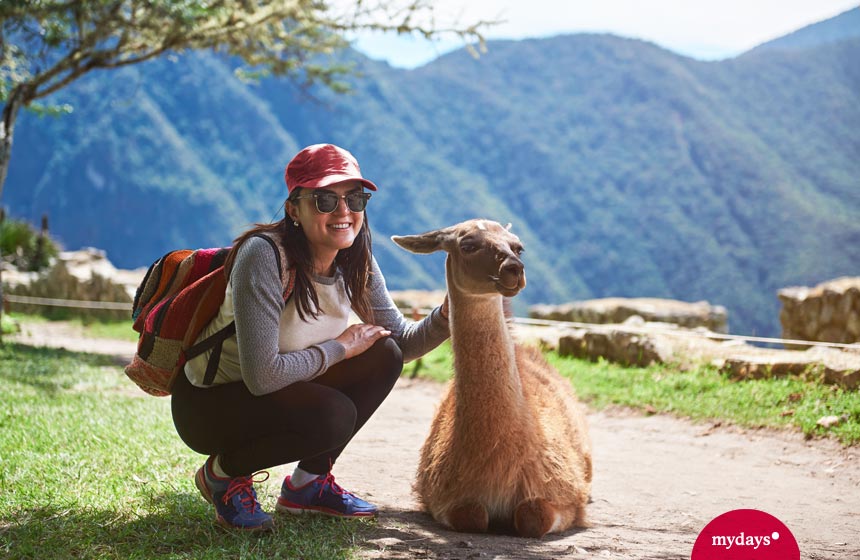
(842, 27)
(628, 170)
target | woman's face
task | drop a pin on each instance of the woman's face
(328, 233)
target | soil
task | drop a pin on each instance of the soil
(658, 481)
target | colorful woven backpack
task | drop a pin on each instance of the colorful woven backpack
(180, 294)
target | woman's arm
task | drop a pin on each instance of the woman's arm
(257, 305)
(415, 338)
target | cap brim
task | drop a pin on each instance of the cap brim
(330, 180)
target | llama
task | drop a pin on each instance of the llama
(508, 449)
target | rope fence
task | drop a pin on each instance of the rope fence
(80, 304)
(119, 306)
(671, 331)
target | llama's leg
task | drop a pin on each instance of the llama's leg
(469, 518)
(536, 517)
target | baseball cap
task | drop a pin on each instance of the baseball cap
(322, 165)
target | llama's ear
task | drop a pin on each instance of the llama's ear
(429, 242)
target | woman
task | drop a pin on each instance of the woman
(296, 382)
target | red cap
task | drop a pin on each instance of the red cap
(322, 165)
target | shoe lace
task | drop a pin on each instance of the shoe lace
(244, 487)
(335, 487)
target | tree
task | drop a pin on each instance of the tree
(47, 44)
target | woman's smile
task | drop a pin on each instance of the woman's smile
(329, 233)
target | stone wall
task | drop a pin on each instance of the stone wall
(418, 300)
(829, 312)
(617, 310)
(682, 349)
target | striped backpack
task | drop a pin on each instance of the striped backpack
(180, 294)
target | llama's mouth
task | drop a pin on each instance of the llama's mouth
(507, 291)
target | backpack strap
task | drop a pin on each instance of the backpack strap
(288, 275)
(215, 342)
(211, 342)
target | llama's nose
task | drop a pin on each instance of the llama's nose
(511, 269)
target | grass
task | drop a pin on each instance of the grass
(7, 324)
(436, 365)
(92, 468)
(707, 394)
(120, 330)
(93, 328)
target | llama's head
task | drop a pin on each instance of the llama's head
(483, 256)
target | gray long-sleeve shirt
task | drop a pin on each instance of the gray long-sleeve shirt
(255, 302)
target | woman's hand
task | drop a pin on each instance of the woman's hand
(358, 338)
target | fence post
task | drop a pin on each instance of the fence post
(40, 244)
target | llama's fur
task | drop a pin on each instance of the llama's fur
(509, 446)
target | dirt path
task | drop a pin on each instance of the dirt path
(658, 482)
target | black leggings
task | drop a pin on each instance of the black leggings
(309, 421)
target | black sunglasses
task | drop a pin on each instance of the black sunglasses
(327, 202)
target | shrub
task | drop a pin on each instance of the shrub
(24, 247)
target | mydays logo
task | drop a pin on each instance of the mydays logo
(741, 540)
(747, 534)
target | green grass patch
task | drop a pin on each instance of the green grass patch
(90, 467)
(435, 365)
(92, 328)
(119, 330)
(8, 324)
(707, 394)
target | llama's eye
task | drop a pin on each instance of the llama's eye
(468, 248)
(518, 251)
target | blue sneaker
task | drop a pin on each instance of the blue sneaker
(235, 501)
(322, 495)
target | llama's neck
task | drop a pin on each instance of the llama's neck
(486, 380)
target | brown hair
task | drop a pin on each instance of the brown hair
(354, 263)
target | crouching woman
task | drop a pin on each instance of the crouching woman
(297, 381)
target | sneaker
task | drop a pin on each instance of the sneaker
(235, 501)
(322, 495)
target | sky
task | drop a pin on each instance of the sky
(702, 29)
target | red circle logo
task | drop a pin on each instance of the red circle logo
(745, 534)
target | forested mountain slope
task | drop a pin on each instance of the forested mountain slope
(627, 169)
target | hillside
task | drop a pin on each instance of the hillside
(844, 26)
(627, 169)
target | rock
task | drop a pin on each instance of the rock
(852, 325)
(651, 343)
(615, 345)
(767, 366)
(832, 333)
(90, 262)
(829, 421)
(828, 312)
(417, 299)
(848, 379)
(617, 310)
